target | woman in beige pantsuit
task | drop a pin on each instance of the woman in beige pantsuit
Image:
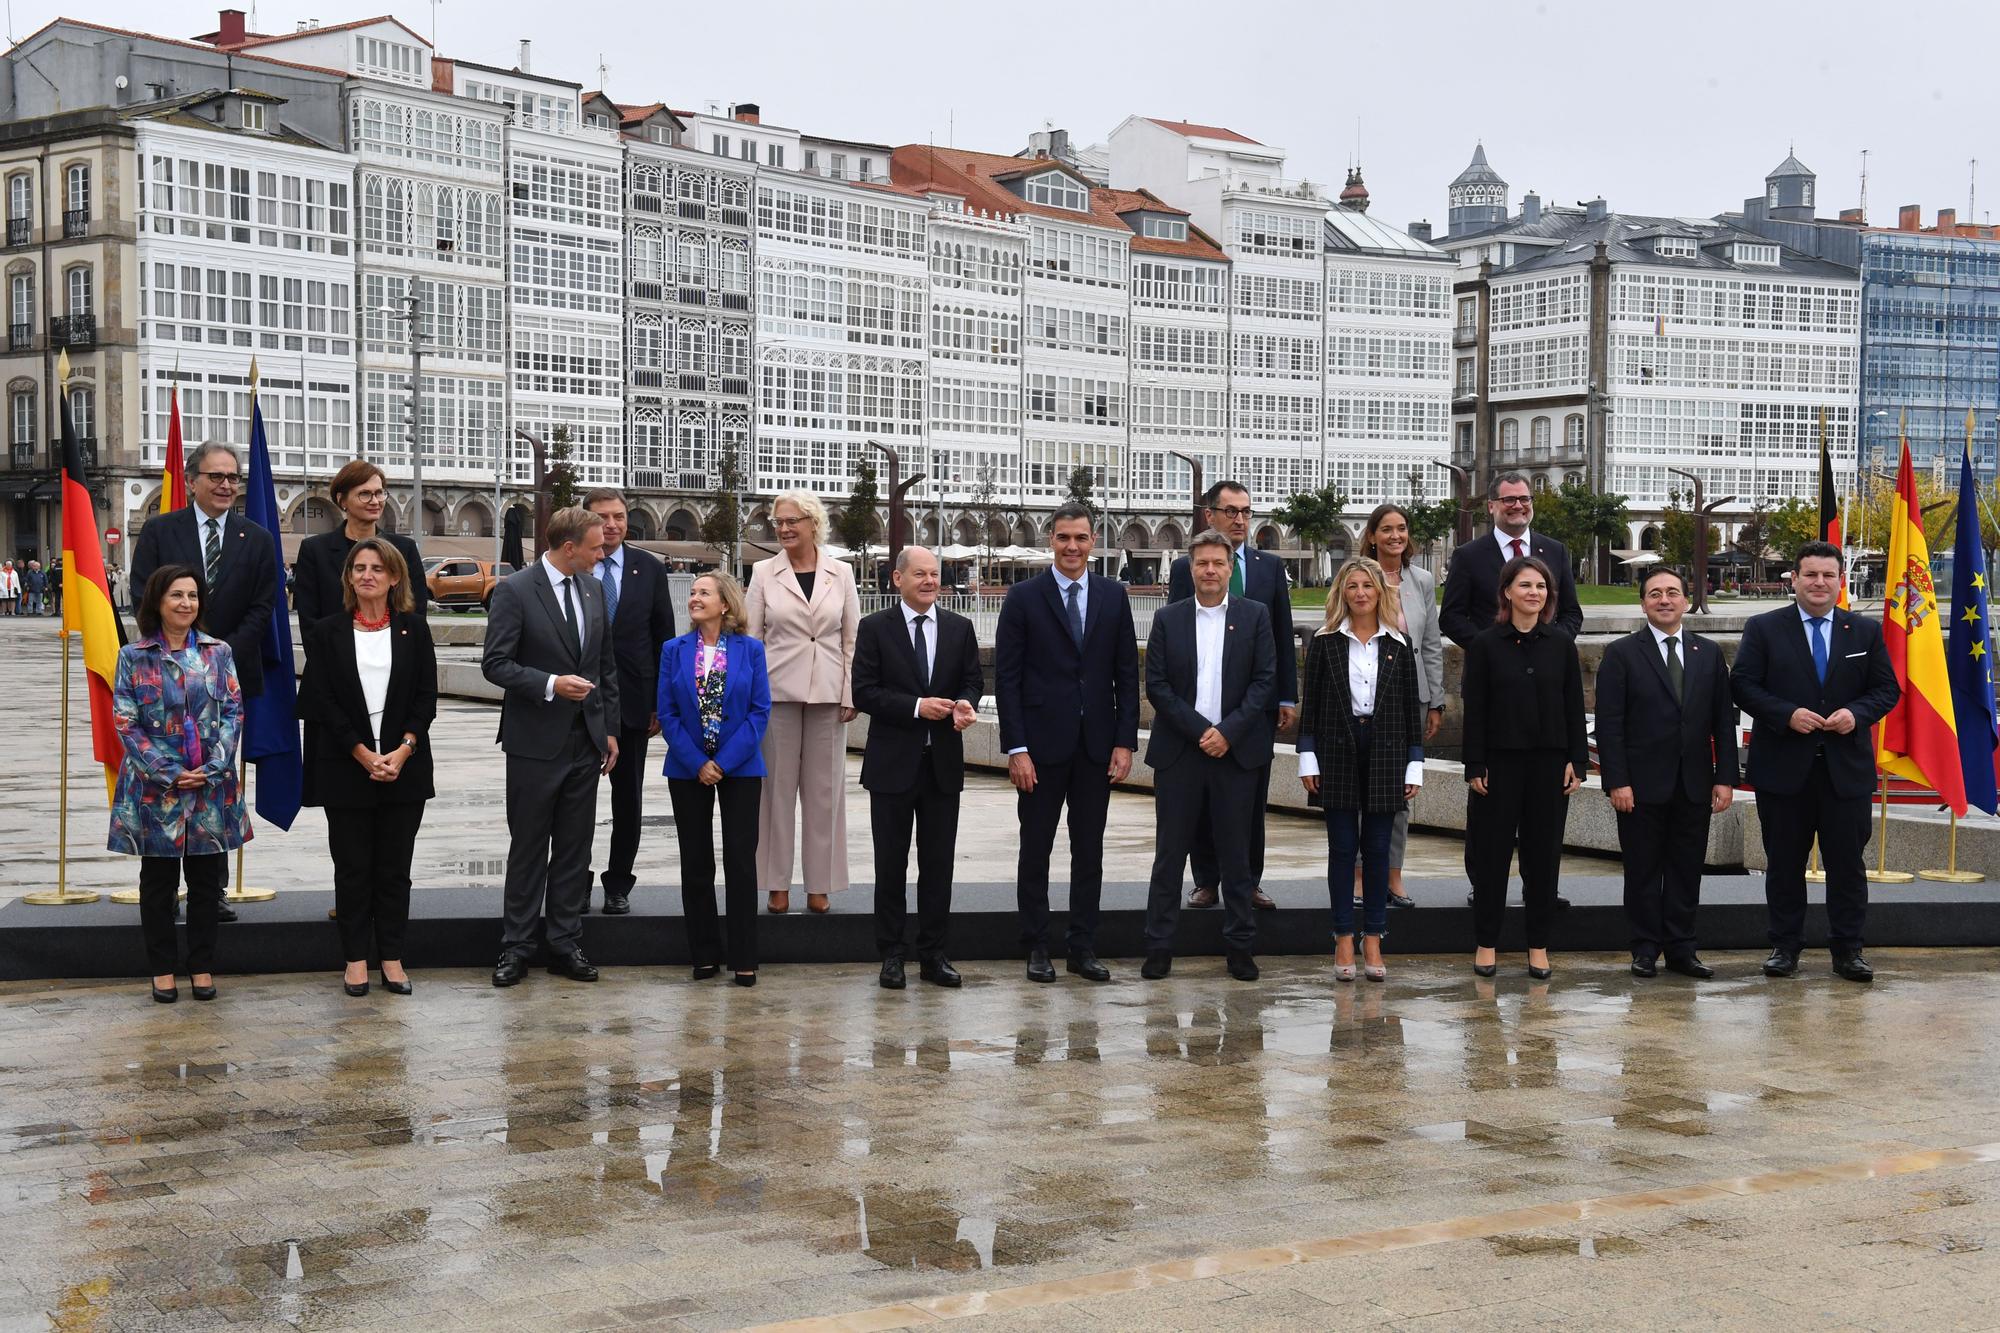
(805, 608)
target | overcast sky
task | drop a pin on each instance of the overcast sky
(1673, 107)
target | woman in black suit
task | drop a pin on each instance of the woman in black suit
(1361, 747)
(360, 492)
(368, 697)
(1525, 754)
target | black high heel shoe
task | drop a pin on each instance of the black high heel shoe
(402, 987)
(167, 996)
(1486, 969)
(1540, 973)
(706, 970)
(202, 993)
(355, 988)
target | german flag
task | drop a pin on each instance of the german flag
(86, 603)
(1829, 505)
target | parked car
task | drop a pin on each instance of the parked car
(461, 583)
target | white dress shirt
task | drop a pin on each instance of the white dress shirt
(372, 661)
(1527, 540)
(202, 523)
(1063, 582)
(556, 580)
(1211, 631)
(1364, 671)
(910, 614)
(1680, 642)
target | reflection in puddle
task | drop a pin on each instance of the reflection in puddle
(487, 868)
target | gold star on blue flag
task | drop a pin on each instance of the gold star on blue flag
(1966, 652)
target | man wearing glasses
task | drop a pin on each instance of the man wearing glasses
(1259, 576)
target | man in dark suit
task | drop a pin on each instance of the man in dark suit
(234, 558)
(548, 645)
(1472, 580)
(1210, 668)
(1471, 602)
(1259, 576)
(1066, 678)
(1666, 737)
(1815, 678)
(232, 554)
(916, 675)
(641, 610)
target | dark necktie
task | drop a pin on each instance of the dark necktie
(923, 657)
(1517, 546)
(1676, 674)
(1819, 646)
(569, 614)
(211, 554)
(610, 583)
(1075, 609)
(1236, 576)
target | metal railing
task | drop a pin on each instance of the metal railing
(20, 337)
(17, 230)
(73, 331)
(76, 223)
(23, 454)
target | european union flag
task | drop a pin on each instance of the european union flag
(271, 721)
(1969, 654)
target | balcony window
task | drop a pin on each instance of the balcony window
(23, 421)
(81, 286)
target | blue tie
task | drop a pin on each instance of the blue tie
(1075, 609)
(606, 576)
(1819, 646)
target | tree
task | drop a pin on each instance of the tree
(987, 506)
(1753, 538)
(1577, 517)
(1314, 515)
(1677, 530)
(560, 473)
(723, 524)
(1790, 526)
(1430, 522)
(1082, 481)
(859, 524)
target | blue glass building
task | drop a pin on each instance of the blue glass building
(1930, 345)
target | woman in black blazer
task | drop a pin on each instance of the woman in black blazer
(360, 492)
(1361, 747)
(368, 697)
(1526, 752)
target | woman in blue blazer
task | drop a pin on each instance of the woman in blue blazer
(715, 700)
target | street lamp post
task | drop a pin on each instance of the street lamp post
(413, 406)
(1198, 507)
(1461, 496)
(540, 453)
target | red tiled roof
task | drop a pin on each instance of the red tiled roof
(1190, 130)
(1127, 201)
(170, 41)
(443, 73)
(1196, 246)
(976, 178)
(332, 27)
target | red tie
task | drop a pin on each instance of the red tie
(1517, 547)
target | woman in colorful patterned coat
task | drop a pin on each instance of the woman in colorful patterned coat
(178, 804)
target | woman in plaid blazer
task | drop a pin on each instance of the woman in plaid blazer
(1361, 747)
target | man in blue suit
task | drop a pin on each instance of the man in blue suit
(1259, 576)
(1066, 679)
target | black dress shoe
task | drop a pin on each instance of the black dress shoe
(509, 970)
(1781, 963)
(574, 966)
(940, 972)
(356, 988)
(202, 993)
(1039, 966)
(1853, 967)
(1562, 903)
(1401, 900)
(1643, 966)
(745, 978)
(402, 987)
(892, 974)
(1158, 963)
(224, 912)
(706, 970)
(1691, 966)
(167, 996)
(1242, 966)
(1085, 965)
(616, 904)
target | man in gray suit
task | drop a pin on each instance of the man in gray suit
(548, 645)
(1211, 666)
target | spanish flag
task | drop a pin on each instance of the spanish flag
(173, 482)
(86, 603)
(1919, 738)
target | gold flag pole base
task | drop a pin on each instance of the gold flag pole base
(60, 897)
(130, 897)
(249, 894)
(1814, 875)
(1881, 874)
(1951, 874)
(239, 892)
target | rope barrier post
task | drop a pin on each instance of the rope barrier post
(238, 891)
(1951, 874)
(1881, 874)
(62, 895)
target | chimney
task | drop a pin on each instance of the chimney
(1910, 217)
(1531, 207)
(527, 50)
(1947, 220)
(1419, 231)
(1596, 210)
(1059, 144)
(230, 31)
(747, 112)
(1852, 215)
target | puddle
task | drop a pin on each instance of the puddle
(900, 1228)
(478, 869)
(1589, 1247)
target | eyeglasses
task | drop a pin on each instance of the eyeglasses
(789, 522)
(1230, 511)
(1516, 502)
(221, 478)
(372, 494)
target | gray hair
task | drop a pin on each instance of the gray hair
(1211, 537)
(204, 449)
(808, 505)
(903, 557)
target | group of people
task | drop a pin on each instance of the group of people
(752, 699)
(26, 589)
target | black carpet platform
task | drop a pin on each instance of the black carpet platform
(459, 927)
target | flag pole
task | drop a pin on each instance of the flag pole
(1814, 875)
(1881, 874)
(62, 895)
(1951, 874)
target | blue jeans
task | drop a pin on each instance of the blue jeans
(1351, 833)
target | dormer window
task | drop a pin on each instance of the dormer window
(253, 116)
(1746, 253)
(1674, 247)
(1165, 229)
(1054, 189)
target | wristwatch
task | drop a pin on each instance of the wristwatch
(410, 741)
